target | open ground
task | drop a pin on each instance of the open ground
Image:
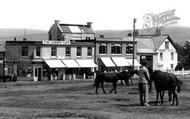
(76, 99)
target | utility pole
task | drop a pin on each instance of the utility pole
(134, 21)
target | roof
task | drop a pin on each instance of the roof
(76, 28)
(111, 39)
(149, 44)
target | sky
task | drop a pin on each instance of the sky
(105, 14)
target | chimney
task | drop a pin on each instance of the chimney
(89, 24)
(57, 21)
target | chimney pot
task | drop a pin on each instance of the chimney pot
(89, 24)
(57, 21)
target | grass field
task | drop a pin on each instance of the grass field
(77, 100)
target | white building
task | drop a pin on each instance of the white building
(159, 50)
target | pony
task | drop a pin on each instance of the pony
(165, 81)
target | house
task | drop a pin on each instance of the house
(62, 32)
(159, 50)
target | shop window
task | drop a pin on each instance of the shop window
(116, 49)
(129, 48)
(89, 51)
(68, 51)
(103, 49)
(53, 51)
(24, 50)
(167, 45)
(79, 51)
(38, 52)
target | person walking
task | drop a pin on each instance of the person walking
(144, 78)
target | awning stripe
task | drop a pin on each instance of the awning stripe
(120, 61)
(107, 61)
(86, 63)
(54, 63)
(70, 63)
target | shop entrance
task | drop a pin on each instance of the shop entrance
(37, 73)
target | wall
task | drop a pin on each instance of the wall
(167, 56)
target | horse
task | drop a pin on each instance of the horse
(126, 76)
(111, 77)
(166, 82)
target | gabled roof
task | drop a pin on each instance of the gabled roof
(150, 44)
(76, 28)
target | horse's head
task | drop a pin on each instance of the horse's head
(132, 72)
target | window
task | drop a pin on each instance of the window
(161, 56)
(68, 51)
(103, 49)
(89, 51)
(24, 50)
(53, 51)
(172, 66)
(167, 45)
(38, 53)
(79, 51)
(87, 38)
(129, 48)
(172, 56)
(116, 49)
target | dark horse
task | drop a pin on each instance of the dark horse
(111, 77)
(166, 82)
(126, 76)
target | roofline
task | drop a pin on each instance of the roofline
(73, 25)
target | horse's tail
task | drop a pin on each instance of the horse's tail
(178, 84)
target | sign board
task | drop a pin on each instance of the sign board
(47, 42)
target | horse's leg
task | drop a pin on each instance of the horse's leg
(150, 86)
(121, 82)
(157, 95)
(102, 83)
(112, 88)
(97, 85)
(131, 81)
(162, 96)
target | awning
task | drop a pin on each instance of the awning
(70, 63)
(136, 63)
(86, 63)
(120, 61)
(107, 61)
(54, 63)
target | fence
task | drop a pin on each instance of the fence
(181, 72)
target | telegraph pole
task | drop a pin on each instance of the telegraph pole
(134, 21)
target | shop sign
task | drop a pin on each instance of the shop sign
(47, 42)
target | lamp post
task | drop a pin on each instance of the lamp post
(134, 21)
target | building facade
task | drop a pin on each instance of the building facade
(159, 50)
(115, 53)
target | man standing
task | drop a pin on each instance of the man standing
(144, 77)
